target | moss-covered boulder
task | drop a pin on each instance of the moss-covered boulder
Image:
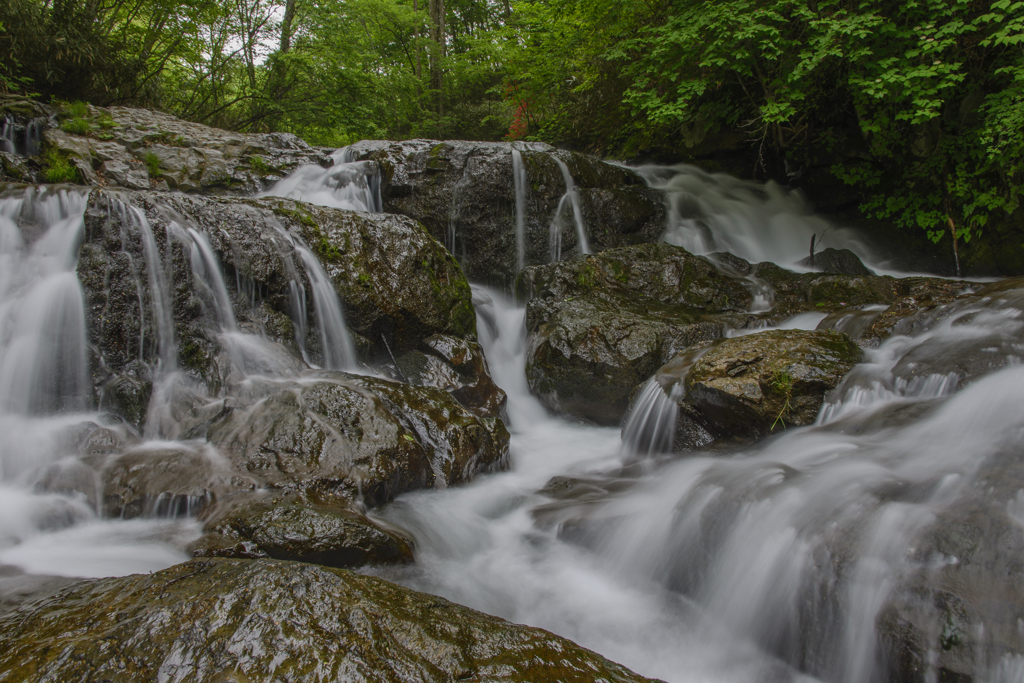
(263, 620)
(600, 325)
(464, 193)
(354, 438)
(749, 385)
(294, 527)
(397, 285)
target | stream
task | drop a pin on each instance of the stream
(741, 564)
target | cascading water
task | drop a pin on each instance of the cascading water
(44, 396)
(346, 184)
(519, 177)
(24, 140)
(716, 212)
(717, 568)
(572, 198)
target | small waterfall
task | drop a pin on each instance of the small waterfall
(7, 136)
(717, 212)
(339, 354)
(519, 175)
(159, 288)
(23, 140)
(651, 425)
(572, 197)
(208, 276)
(458, 198)
(346, 184)
(43, 360)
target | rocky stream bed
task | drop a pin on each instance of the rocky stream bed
(258, 425)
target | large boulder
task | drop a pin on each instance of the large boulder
(397, 285)
(358, 439)
(751, 385)
(464, 193)
(262, 620)
(602, 324)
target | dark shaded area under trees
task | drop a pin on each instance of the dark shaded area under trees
(911, 113)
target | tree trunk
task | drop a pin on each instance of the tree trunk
(436, 9)
(286, 26)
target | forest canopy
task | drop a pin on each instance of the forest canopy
(916, 105)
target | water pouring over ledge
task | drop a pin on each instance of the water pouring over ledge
(580, 541)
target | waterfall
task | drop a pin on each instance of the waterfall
(651, 424)
(458, 198)
(159, 288)
(346, 184)
(23, 140)
(7, 136)
(717, 566)
(757, 222)
(572, 197)
(339, 354)
(43, 360)
(207, 274)
(519, 176)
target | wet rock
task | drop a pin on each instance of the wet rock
(234, 620)
(589, 354)
(290, 527)
(969, 571)
(996, 336)
(167, 481)
(838, 262)
(458, 366)
(749, 385)
(395, 281)
(603, 324)
(397, 286)
(854, 321)
(140, 148)
(464, 193)
(459, 444)
(17, 169)
(660, 273)
(357, 438)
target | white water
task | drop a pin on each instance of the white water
(44, 397)
(346, 184)
(703, 568)
(698, 569)
(519, 177)
(571, 197)
(709, 212)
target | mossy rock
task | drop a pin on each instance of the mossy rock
(293, 527)
(751, 385)
(220, 620)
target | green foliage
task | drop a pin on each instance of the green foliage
(57, 168)
(259, 166)
(152, 162)
(920, 102)
(76, 126)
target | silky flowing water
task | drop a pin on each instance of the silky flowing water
(708, 566)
